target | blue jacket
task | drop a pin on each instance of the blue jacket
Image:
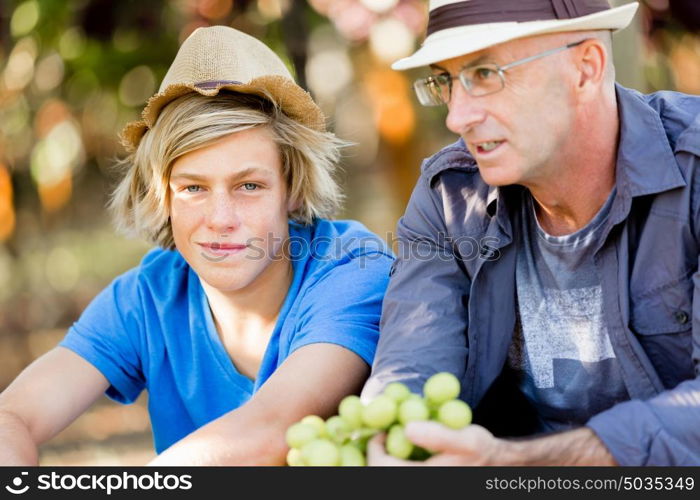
(450, 305)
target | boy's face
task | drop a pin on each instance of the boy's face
(229, 208)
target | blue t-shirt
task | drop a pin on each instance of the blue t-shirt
(152, 327)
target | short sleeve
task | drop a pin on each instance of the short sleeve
(344, 306)
(107, 333)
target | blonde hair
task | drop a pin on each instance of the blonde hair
(140, 202)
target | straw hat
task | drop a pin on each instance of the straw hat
(459, 27)
(219, 57)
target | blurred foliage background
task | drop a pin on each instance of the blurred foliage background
(72, 73)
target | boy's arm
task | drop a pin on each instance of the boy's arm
(312, 380)
(45, 398)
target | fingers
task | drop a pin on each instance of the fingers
(431, 436)
(440, 439)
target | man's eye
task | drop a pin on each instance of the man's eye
(484, 73)
(250, 186)
(193, 189)
(442, 79)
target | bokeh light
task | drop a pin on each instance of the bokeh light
(49, 72)
(62, 269)
(273, 10)
(24, 18)
(53, 160)
(334, 62)
(685, 63)
(137, 86)
(7, 209)
(394, 115)
(72, 43)
(379, 6)
(19, 70)
(390, 39)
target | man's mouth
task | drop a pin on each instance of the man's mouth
(487, 146)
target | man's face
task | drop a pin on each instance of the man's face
(517, 134)
(228, 208)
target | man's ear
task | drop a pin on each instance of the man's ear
(592, 62)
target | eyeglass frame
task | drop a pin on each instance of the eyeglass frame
(466, 83)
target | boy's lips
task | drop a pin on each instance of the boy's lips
(215, 251)
(216, 246)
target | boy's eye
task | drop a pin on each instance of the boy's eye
(250, 186)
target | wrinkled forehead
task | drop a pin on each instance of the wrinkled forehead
(502, 53)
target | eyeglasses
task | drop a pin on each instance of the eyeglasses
(478, 81)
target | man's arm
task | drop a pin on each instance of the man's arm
(312, 380)
(474, 445)
(47, 396)
(424, 314)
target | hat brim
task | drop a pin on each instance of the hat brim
(292, 99)
(455, 42)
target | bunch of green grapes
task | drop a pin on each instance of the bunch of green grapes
(342, 439)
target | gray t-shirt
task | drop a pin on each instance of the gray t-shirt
(561, 350)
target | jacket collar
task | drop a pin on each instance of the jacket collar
(645, 160)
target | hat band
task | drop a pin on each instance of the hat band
(212, 84)
(500, 11)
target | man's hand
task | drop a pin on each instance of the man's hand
(475, 445)
(472, 445)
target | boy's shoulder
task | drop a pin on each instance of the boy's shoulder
(329, 244)
(336, 241)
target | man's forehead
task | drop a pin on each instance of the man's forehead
(465, 60)
(503, 52)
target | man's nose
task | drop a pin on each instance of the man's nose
(464, 110)
(223, 213)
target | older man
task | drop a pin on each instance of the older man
(549, 258)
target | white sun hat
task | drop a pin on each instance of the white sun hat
(459, 27)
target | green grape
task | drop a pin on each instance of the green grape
(320, 452)
(397, 444)
(317, 422)
(351, 456)
(294, 458)
(350, 410)
(441, 387)
(397, 391)
(300, 433)
(364, 433)
(413, 409)
(380, 413)
(360, 437)
(338, 429)
(455, 414)
(360, 443)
